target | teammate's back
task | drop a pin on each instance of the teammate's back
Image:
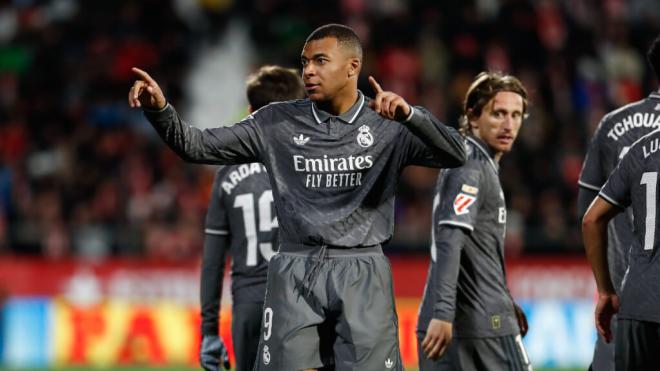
(612, 139)
(242, 207)
(634, 184)
(241, 220)
(616, 132)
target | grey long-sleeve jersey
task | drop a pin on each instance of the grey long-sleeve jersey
(634, 184)
(466, 283)
(240, 221)
(615, 134)
(333, 177)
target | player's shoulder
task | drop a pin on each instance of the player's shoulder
(475, 164)
(223, 171)
(477, 156)
(625, 109)
(274, 110)
(289, 106)
(236, 177)
(368, 115)
(616, 115)
(639, 144)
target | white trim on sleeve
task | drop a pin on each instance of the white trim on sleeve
(610, 200)
(216, 232)
(457, 224)
(588, 186)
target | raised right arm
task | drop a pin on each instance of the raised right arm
(224, 145)
(235, 144)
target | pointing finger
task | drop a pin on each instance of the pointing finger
(144, 76)
(375, 85)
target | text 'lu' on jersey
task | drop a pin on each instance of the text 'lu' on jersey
(242, 208)
(333, 180)
(470, 197)
(634, 184)
(616, 132)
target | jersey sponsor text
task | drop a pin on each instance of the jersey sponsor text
(323, 172)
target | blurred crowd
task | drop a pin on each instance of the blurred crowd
(83, 175)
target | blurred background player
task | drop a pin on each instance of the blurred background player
(241, 219)
(634, 184)
(466, 294)
(616, 132)
(334, 162)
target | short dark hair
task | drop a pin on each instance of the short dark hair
(273, 84)
(484, 88)
(653, 57)
(345, 36)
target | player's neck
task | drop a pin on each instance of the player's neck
(340, 103)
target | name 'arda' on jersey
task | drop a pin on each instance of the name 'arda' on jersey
(636, 120)
(241, 172)
(323, 172)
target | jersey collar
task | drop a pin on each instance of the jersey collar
(655, 94)
(483, 147)
(348, 117)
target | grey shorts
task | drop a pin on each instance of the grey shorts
(334, 309)
(637, 345)
(478, 354)
(245, 332)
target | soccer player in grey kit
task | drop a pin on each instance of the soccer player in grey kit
(241, 220)
(634, 184)
(612, 139)
(468, 319)
(333, 161)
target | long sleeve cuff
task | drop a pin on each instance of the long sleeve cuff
(415, 117)
(156, 110)
(444, 314)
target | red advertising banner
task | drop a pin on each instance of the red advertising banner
(144, 312)
(528, 278)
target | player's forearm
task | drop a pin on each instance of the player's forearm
(222, 146)
(449, 243)
(445, 141)
(213, 264)
(184, 139)
(594, 232)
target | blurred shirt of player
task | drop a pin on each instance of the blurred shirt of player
(241, 220)
(466, 297)
(616, 132)
(334, 162)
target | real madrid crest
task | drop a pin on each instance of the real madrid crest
(364, 138)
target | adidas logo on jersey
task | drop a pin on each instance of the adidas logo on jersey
(300, 140)
(389, 363)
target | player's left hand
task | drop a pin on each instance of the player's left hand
(608, 305)
(438, 336)
(388, 104)
(522, 319)
(212, 352)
